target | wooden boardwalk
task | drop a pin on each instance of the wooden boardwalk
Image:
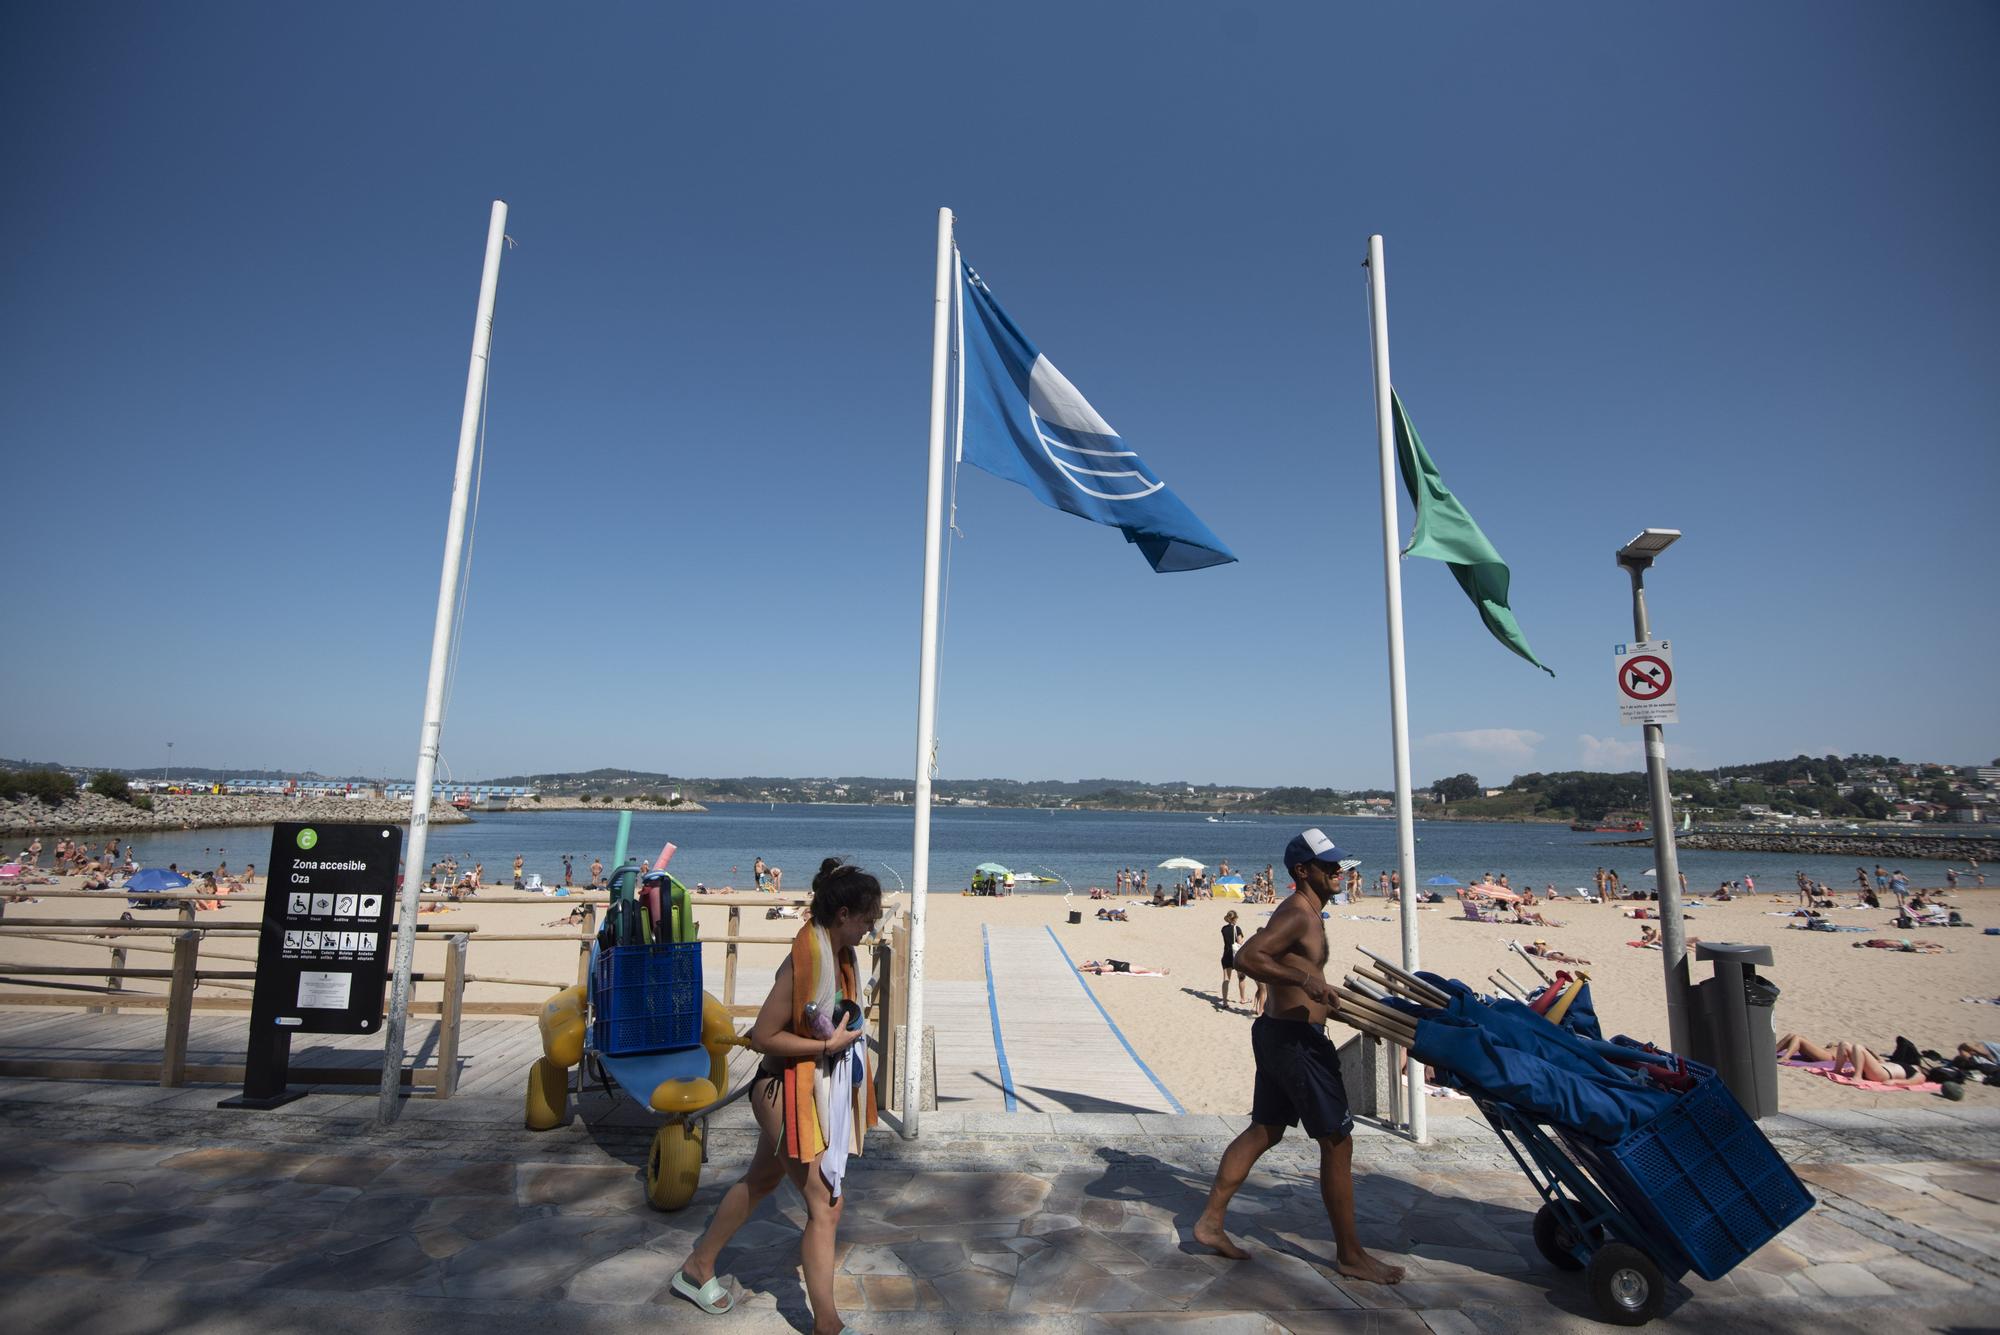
(1057, 1051)
(487, 1047)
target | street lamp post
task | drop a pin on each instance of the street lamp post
(170, 764)
(1636, 558)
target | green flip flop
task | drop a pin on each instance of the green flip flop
(712, 1297)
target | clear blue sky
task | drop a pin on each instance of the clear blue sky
(1721, 267)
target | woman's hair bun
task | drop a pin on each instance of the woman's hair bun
(842, 885)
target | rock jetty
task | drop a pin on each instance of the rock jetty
(93, 813)
(1885, 847)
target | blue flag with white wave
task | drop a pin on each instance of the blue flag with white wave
(1025, 422)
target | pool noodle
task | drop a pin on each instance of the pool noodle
(624, 834)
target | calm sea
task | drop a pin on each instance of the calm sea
(1085, 848)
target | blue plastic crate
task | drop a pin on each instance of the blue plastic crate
(1702, 1177)
(646, 999)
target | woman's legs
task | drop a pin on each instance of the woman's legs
(1225, 985)
(1799, 1046)
(766, 1171)
(816, 1247)
(1857, 1060)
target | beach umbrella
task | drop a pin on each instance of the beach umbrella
(1183, 864)
(1441, 880)
(153, 878)
(993, 869)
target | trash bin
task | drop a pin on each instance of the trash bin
(1730, 1023)
(1076, 915)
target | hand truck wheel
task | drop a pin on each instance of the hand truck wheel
(1627, 1287)
(1554, 1240)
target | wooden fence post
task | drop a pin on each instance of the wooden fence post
(180, 1009)
(112, 983)
(583, 950)
(899, 997)
(729, 956)
(449, 1014)
(885, 1025)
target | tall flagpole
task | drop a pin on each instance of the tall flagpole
(920, 851)
(441, 632)
(1399, 717)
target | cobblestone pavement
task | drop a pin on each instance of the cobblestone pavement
(131, 1209)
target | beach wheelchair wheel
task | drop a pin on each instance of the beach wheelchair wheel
(548, 1095)
(1627, 1287)
(673, 1169)
(1554, 1240)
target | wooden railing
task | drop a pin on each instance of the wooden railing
(886, 955)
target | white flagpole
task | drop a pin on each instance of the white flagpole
(1399, 718)
(441, 633)
(920, 852)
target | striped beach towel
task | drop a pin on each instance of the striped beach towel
(811, 1120)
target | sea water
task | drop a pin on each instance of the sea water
(1078, 848)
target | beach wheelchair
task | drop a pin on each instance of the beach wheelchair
(643, 1023)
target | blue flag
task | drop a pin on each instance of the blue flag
(1025, 422)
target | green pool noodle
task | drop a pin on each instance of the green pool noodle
(624, 835)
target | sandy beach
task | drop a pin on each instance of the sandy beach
(1831, 990)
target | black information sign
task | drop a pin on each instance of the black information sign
(323, 955)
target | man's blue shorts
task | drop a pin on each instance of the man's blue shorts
(1298, 1079)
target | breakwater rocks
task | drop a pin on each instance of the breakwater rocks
(93, 813)
(1886, 847)
(599, 804)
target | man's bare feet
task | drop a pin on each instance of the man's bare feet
(1367, 1268)
(1209, 1234)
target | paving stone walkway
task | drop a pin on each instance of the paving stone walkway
(313, 1219)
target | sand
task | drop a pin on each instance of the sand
(1831, 990)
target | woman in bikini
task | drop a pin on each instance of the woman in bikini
(1232, 934)
(811, 1094)
(1865, 1065)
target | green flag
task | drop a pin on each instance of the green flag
(1445, 532)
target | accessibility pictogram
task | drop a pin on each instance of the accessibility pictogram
(1646, 685)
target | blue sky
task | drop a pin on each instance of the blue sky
(1717, 267)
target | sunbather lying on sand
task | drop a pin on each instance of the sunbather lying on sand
(1864, 1065)
(1541, 950)
(1907, 946)
(1120, 966)
(1797, 1047)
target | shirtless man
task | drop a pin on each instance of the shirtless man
(1298, 1071)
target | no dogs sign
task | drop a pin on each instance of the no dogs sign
(1646, 685)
